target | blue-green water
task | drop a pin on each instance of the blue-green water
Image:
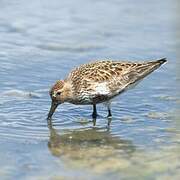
(40, 42)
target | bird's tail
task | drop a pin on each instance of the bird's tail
(136, 74)
(161, 61)
(157, 63)
(147, 67)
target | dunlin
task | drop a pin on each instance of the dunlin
(99, 82)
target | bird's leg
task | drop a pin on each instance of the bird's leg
(109, 121)
(109, 115)
(94, 121)
(94, 114)
(109, 111)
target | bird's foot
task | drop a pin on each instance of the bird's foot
(109, 117)
(94, 115)
(94, 121)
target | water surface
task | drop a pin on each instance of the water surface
(41, 42)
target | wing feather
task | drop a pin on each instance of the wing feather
(117, 76)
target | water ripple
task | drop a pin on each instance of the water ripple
(20, 94)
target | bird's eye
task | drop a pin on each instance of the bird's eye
(58, 93)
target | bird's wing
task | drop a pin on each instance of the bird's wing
(132, 75)
(110, 76)
(93, 76)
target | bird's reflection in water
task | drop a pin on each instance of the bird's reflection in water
(90, 147)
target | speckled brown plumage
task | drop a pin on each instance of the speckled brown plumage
(100, 81)
(58, 85)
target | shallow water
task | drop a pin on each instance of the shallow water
(40, 43)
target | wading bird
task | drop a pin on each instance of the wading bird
(99, 82)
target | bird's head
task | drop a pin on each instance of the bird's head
(58, 96)
(57, 92)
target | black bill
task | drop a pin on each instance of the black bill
(54, 105)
